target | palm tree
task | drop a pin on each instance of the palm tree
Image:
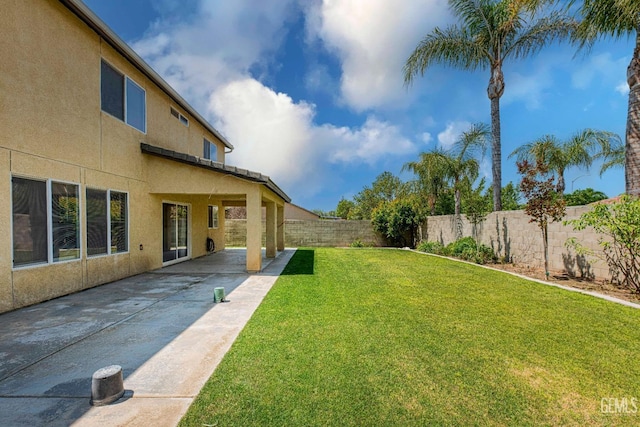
(430, 169)
(491, 32)
(577, 151)
(619, 18)
(461, 165)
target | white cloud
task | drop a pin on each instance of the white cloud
(276, 136)
(219, 42)
(373, 39)
(529, 89)
(452, 133)
(426, 137)
(623, 88)
(374, 141)
(602, 67)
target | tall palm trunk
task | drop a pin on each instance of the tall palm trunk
(632, 158)
(495, 91)
(561, 184)
(457, 216)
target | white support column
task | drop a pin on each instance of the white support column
(271, 229)
(254, 230)
(280, 228)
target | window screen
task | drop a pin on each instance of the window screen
(112, 91)
(97, 222)
(213, 217)
(29, 199)
(210, 151)
(65, 221)
(136, 106)
(118, 212)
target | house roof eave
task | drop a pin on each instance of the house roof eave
(214, 166)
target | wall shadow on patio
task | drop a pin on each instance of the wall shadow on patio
(301, 263)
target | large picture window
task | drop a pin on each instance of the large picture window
(107, 222)
(46, 221)
(122, 97)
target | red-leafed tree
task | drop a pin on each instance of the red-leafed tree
(545, 204)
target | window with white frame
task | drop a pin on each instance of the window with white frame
(210, 150)
(46, 221)
(107, 222)
(122, 97)
(178, 115)
(213, 216)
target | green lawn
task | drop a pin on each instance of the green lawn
(373, 337)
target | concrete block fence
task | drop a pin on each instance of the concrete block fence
(513, 237)
(310, 233)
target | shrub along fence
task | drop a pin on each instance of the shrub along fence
(514, 239)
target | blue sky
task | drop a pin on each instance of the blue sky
(311, 92)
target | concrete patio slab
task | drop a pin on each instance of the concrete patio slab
(162, 327)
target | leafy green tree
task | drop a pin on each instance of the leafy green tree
(445, 204)
(384, 188)
(476, 207)
(344, 208)
(511, 197)
(619, 225)
(544, 202)
(618, 18)
(397, 221)
(490, 32)
(577, 151)
(584, 197)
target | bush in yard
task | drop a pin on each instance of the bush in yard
(431, 247)
(357, 244)
(397, 221)
(465, 248)
(469, 250)
(619, 223)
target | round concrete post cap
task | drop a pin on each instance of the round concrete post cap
(107, 385)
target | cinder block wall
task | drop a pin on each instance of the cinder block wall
(512, 236)
(310, 233)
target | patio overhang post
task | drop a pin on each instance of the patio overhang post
(254, 230)
(271, 229)
(280, 228)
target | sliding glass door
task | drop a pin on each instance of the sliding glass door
(175, 220)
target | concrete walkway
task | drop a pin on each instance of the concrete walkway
(162, 327)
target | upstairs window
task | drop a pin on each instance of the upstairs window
(122, 97)
(210, 150)
(178, 115)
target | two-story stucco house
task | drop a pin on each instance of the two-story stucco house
(105, 171)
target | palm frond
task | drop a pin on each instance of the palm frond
(553, 27)
(601, 18)
(452, 46)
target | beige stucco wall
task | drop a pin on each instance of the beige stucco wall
(53, 128)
